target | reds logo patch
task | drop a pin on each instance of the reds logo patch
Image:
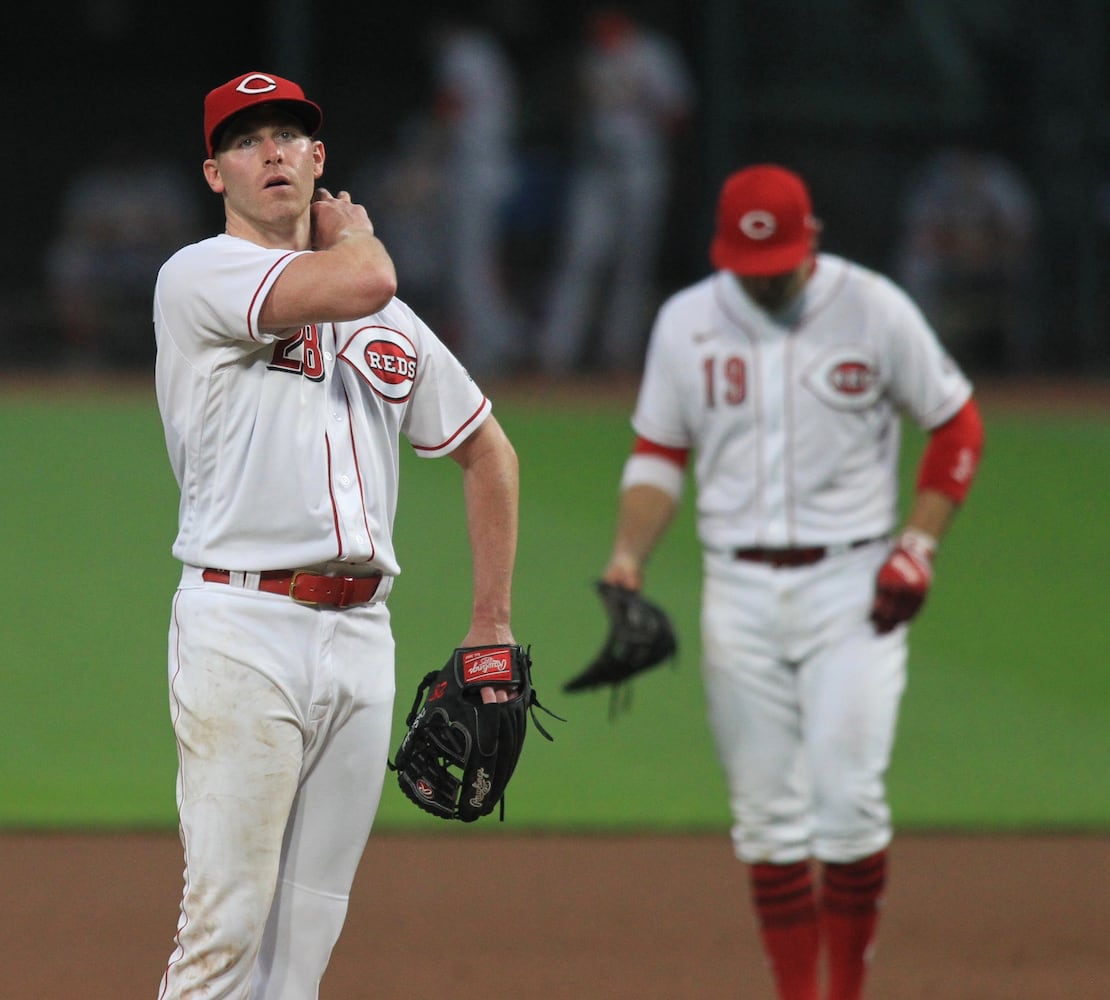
(385, 359)
(486, 665)
(844, 380)
(852, 377)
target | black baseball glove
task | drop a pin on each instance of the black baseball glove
(640, 637)
(459, 753)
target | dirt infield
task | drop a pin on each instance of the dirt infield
(510, 917)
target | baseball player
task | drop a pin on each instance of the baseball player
(476, 104)
(636, 93)
(286, 374)
(784, 375)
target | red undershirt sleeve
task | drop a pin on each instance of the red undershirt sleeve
(951, 456)
(678, 456)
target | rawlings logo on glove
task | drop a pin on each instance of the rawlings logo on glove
(482, 787)
(459, 752)
(487, 666)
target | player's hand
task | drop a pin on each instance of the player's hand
(335, 217)
(482, 637)
(903, 581)
(624, 571)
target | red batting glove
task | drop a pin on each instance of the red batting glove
(903, 580)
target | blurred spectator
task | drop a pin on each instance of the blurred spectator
(969, 229)
(634, 94)
(119, 222)
(476, 106)
(403, 184)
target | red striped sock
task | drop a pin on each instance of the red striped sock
(850, 896)
(787, 912)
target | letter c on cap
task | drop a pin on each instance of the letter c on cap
(257, 83)
(758, 225)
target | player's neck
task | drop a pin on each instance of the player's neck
(790, 313)
(281, 235)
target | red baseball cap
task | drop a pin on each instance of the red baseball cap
(252, 89)
(765, 223)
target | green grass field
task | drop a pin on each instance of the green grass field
(1005, 724)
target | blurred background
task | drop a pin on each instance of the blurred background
(958, 145)
(544, 174)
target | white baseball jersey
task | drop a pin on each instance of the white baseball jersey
(320, 485)
(795, 424)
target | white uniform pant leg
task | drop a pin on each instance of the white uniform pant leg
(239, 743)
(802, 700)
(254, 695)
(344, 772)
(754, 716)
(851, 687)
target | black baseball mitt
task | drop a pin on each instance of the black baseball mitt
(459, 753)
(640, 637)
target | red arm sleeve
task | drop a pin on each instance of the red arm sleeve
(678, 456)
(951, 457)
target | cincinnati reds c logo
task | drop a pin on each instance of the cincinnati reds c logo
(257, 83)
(758, 224)
(845, 379)
(385, 359)
(852, 377)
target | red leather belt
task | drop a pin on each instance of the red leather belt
(806, 556)
(310, 588)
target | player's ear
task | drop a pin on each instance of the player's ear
(212, 176)
(318, 156)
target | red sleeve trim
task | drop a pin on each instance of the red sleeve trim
(678, 456)
(463, 427)
(251, 331)
(951, 457)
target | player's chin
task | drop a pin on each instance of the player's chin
(772, 301)
(288, 194)
(283, 210)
